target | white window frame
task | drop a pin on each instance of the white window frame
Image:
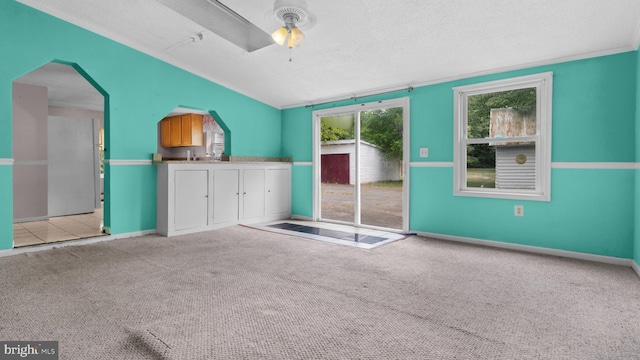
(543, 84)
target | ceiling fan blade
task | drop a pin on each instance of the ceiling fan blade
(223, 21)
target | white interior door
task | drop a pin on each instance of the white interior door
(72, 170)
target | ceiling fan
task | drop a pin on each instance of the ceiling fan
(218, 18)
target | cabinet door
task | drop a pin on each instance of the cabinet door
(165, 132)
(278, 191)
(185, 128)
(225, 195)
(191, 199)
(253, 193)
(176, 131)
(197, 135)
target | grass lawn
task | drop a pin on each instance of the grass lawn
(385, 183)
(481, 178)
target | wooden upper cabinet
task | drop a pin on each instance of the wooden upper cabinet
(165, 132)
(176, 129)
(186, 129)
(182, 130)
(197, 133)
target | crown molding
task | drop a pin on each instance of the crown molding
(558, 60)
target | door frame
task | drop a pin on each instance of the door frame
(316, 117)
(106, 120)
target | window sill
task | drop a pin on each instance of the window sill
(501, 194)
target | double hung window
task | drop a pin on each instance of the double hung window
(503, 138)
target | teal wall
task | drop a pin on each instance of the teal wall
(572, 221)
(297, 134)
(636, 247)
(302, 190)
(133, 207)
(591, 210)
(141, 91)
(595, 119)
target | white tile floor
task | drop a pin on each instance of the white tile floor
(58, 229)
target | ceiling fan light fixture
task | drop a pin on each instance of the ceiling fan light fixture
(280, 35)
(292, 13)
(295, 37)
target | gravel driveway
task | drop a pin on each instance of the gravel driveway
(380, 205)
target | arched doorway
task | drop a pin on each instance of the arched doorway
(58, 122)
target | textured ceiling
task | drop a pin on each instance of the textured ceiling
(358, 47)
(65, 87)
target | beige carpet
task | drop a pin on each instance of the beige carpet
(240, 293)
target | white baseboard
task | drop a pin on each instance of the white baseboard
(37, 218)
(93, 240)
(534, 249)
(172, 232)
(300, 217)
(525, 248)
(636, 267)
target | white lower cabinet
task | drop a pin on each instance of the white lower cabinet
(226, 192)
(278, 186)
(253, 193)
(191, 202)
(204, 196)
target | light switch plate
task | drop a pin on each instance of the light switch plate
(424, 152)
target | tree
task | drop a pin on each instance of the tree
(330, 133)
(383, 128)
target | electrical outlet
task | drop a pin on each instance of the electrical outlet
(518, 210)
(424, 152)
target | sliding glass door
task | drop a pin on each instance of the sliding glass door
(359, 165)
(337, 167)
(380, 166)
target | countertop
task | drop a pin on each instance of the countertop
(227, 160)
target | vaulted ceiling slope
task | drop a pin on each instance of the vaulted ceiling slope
(357, 47)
